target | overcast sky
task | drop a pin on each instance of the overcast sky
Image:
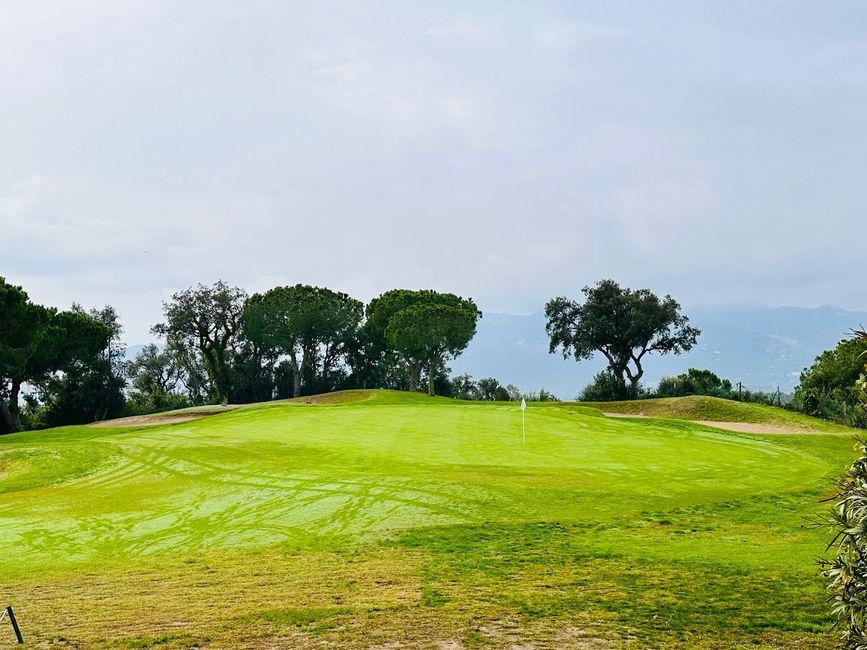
(509, 152)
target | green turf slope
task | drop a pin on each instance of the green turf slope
(595, 522)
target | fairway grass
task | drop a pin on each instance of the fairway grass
(385, 519)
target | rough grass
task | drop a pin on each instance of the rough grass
(381, 519)
(715, 409)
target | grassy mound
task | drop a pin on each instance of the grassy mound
(715, 409)
(376, 517)
(196, 412)
(377, 396)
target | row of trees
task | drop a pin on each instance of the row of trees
(223, 345)
(69, 360)
(220, 345)
(490, 389)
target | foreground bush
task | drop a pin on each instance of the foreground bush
(847, 572)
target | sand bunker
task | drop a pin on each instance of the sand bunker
(739, 427)
(754, 427)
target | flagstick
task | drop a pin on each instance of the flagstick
(523, 432)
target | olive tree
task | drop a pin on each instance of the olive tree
(624, 325)
(206, 321)
(156, 379)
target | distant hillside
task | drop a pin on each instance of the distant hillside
(763, 348)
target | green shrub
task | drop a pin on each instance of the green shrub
(694, 382)
(828, 388)
(608, 386)
(847, 572)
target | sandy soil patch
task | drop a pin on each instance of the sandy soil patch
(626, 415)
(148, 420)
(738, 427)
(754, 427)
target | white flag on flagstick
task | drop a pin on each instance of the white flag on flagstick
(523, 404)
(523, 434)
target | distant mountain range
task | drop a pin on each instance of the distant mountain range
(763, 348)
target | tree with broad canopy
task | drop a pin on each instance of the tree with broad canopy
(623, 325)
(313, 326)
(425, 327)
(36, 341)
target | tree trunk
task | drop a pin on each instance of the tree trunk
(296, 377)
(307, 373)
(414, 371)
(619, 373)
(14, 393)
(326, 366)
(636, 377)
(11, 422)
(431, 374)
(430, 381)
(6, 423)
(216, 375)
(222, 388)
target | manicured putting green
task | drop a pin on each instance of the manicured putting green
(284, 472)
